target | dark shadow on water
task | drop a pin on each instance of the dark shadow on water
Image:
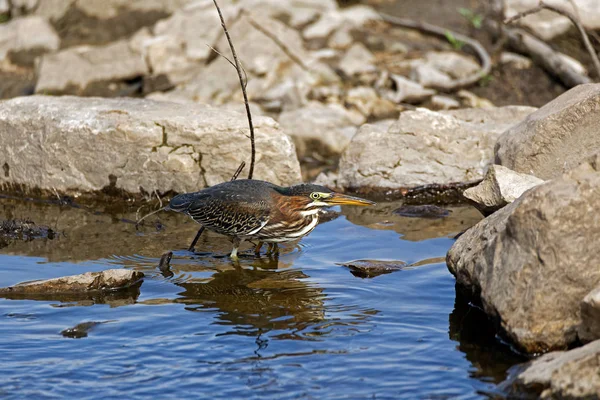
(257, 300)
(261, 294)
(477, 339)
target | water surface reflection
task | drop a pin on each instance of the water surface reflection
(299, 325)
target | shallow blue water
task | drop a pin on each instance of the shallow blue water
(297, 327)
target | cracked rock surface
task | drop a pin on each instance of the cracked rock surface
(425, 147)
(76, 144)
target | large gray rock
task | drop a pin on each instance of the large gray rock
(555, 138)
(547, 24)
(590, 316)
(500, 186)
(569, 374)
(530, 262)
(111, 279)
(85, 144)
(23, 39)
(89, 70)
(425, 147)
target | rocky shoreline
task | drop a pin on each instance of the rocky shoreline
(150, 109)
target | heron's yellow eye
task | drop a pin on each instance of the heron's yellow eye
(315, 196)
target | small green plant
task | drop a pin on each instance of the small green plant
(475, 19)
(4, 18)
(456, 44)
(486, 80)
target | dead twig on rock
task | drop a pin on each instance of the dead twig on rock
(574, 19)
(481, 53)
(247, 104)
(542, 54)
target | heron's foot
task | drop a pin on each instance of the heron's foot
(236, 245)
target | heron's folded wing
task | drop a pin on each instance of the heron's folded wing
(230, 216)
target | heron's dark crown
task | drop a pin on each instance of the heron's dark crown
(304, 189)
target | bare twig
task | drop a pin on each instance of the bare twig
(542, 54)
(574, 19)
(137, 222)
(284, 47)
(230, 62)
(159, 199)
(239, 72)
(482, 54)
(238, 171)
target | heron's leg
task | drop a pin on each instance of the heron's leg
(236, 244)
(191, 248)
(258, 247)
(270, 248)
(275, 248)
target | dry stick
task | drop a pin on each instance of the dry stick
(482, 54)
(230, 62)
(243, 84)
(284, 47)
(574, 20)
(233, 178)
(239, 72)
(542, 54)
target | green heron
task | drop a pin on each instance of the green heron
(249, 209)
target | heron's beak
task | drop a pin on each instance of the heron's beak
(342, 199)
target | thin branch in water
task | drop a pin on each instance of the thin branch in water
(137, 222)
(482, 54)
(230, 62)
(247, 104)
(574, 19)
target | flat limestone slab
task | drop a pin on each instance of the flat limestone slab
(82, 144)
(111, 279)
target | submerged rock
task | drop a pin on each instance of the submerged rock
(425, 147)
(111, 279)
(501, 186)
(15, 229)
(569, 374)
(424, 211)
(555, 138)
(81, 330)
(74, 144)
(530, 262)
(373, 268)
